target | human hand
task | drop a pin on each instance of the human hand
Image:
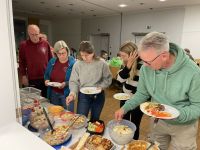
(70, 98)
(131, 59)
(62, 85)
(46, 82)
(119, 114)
(24, 80)
(99, 88)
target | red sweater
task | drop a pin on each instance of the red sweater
(33, 58)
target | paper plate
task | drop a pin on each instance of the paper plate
(122, 96)
(173, 112)
(90, 90)
(54, 84)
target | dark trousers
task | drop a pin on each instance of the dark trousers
(93, 103)
(134, 116)
(60, 99)
(39, 84)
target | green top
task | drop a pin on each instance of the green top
(177, 86)
(115, 62)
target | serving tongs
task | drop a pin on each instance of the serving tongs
(73, 122)
(48, 120)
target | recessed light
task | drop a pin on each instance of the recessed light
(122, 5)
(162, 0)
(141, 3)
(42, 2)
(91, 10)
(94, 15)
(58, 6)
(71, 4)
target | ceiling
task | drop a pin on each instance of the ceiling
(91, 8)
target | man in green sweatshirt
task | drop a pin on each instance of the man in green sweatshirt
(169, 77)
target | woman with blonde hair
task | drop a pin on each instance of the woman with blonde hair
(129, 76)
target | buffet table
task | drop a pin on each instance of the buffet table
(76, 133)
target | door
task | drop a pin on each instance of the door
(100, 42)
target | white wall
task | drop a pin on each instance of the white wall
(68, 30)
(191, 30)
(46, 27)
(8, 75)
(109, 25)
(169, 21)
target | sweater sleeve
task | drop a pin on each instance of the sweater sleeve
(123, 74)
(74, 79)
(139, 97)
(22, 60)
(192, 111)
(106, 77)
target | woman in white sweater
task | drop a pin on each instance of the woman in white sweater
(89, 71)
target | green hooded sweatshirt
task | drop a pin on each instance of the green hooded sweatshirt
(177, 86)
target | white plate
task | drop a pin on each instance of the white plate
(54, 84)
(169, 109)
(122, 96)
(90, 90)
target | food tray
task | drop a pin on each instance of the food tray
(93, 132)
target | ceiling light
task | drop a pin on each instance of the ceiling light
(122, 5)
(162, 0)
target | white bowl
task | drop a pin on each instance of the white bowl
(124, 136)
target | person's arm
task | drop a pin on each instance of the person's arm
(106, 77)
(23, 65)
(74, 80)
(192, 111)
(139, 97)
(49, 52)
(123, 75)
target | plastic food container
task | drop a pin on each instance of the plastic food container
(121, 132)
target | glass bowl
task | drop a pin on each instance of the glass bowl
(121, 132)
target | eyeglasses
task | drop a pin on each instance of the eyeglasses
(150, 62)
(63, 53)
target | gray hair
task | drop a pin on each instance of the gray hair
(156, 40)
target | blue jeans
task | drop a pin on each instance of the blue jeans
(60, 99)
(93, 103)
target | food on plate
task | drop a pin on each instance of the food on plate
(59, 135)
(67, 116)
(88, 91)
(155, 107)
(96, 126)
(97, 142)
(55, 110)
(122, 129)
(122, 96)
(38, 119)
(80, 122)
(157, 110)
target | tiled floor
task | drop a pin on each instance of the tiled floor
(111, 105)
